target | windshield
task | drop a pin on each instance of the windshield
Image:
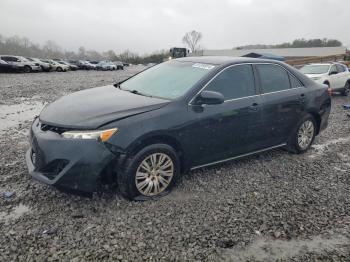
(168, 80)
(315, 69)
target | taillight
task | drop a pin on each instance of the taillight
(329, 91)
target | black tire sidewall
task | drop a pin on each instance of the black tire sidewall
(126, 175)
(346, 89)
(293, 144)
(27, 69)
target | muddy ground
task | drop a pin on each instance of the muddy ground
(275, 206)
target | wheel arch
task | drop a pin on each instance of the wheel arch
(160, 139)
(317, 118)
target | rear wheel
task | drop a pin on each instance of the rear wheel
(346, 90)
(303, 136)
(27, 69)
(150, 173)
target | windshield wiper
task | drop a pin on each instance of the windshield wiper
(117, 85)
(137, 93)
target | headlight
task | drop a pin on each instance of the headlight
(104, 135)
(315, 78)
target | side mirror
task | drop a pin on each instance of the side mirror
(333, 73)
(209, 98)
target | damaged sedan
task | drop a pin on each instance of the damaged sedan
(184, 114)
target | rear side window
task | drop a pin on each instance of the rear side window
(295, 82)
(273, 78)
(234, 82)
(340, 68)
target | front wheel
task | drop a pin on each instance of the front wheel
(346, 90)
(59, 69)
(150, 173)
(304, 135)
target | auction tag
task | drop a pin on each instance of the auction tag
(203, 66)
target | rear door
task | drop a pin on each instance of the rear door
(283, 99)
(335, 80)
(343, 74)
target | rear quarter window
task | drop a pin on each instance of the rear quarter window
(295, 82)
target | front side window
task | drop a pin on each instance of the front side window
(168, 80)
(273, 78)
(7, 58)
(234, 82)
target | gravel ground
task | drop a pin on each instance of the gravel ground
(268, 207)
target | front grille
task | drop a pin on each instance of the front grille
(56, 129)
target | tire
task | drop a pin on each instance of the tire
(59, 69)
(131, 188)
(27, 69)
(346, 90)
(307, 123)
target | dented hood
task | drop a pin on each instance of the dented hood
(92, 108)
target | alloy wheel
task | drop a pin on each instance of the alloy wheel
(306, 134)
(154, 174)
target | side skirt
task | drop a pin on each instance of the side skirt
(240, 156)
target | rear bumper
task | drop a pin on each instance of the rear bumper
(36, 68)
(73, 164)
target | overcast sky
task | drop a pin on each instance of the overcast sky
(144, 26)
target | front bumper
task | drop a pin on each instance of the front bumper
(73, 164)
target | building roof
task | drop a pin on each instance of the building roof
(285, 52)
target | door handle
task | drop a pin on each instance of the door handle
(302, 98)
(254, 107)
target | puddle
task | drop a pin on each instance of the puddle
(15, 213)
(12, 115)
(272, 250)
(321, 148)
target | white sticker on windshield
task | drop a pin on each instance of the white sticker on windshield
(203, 66)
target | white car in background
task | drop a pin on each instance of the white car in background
(56, 66)
(335, 75)
(106, 66)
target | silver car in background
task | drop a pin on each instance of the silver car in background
(28, 66)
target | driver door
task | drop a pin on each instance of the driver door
(229, 129)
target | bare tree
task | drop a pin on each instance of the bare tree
(192, 39)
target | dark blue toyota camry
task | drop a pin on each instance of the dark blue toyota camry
(184, 114)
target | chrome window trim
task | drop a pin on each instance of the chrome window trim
(239, 156)
(234, 99)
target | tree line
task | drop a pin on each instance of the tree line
(22, 46)
(297, 43)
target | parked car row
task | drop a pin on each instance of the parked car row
(10, 63)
